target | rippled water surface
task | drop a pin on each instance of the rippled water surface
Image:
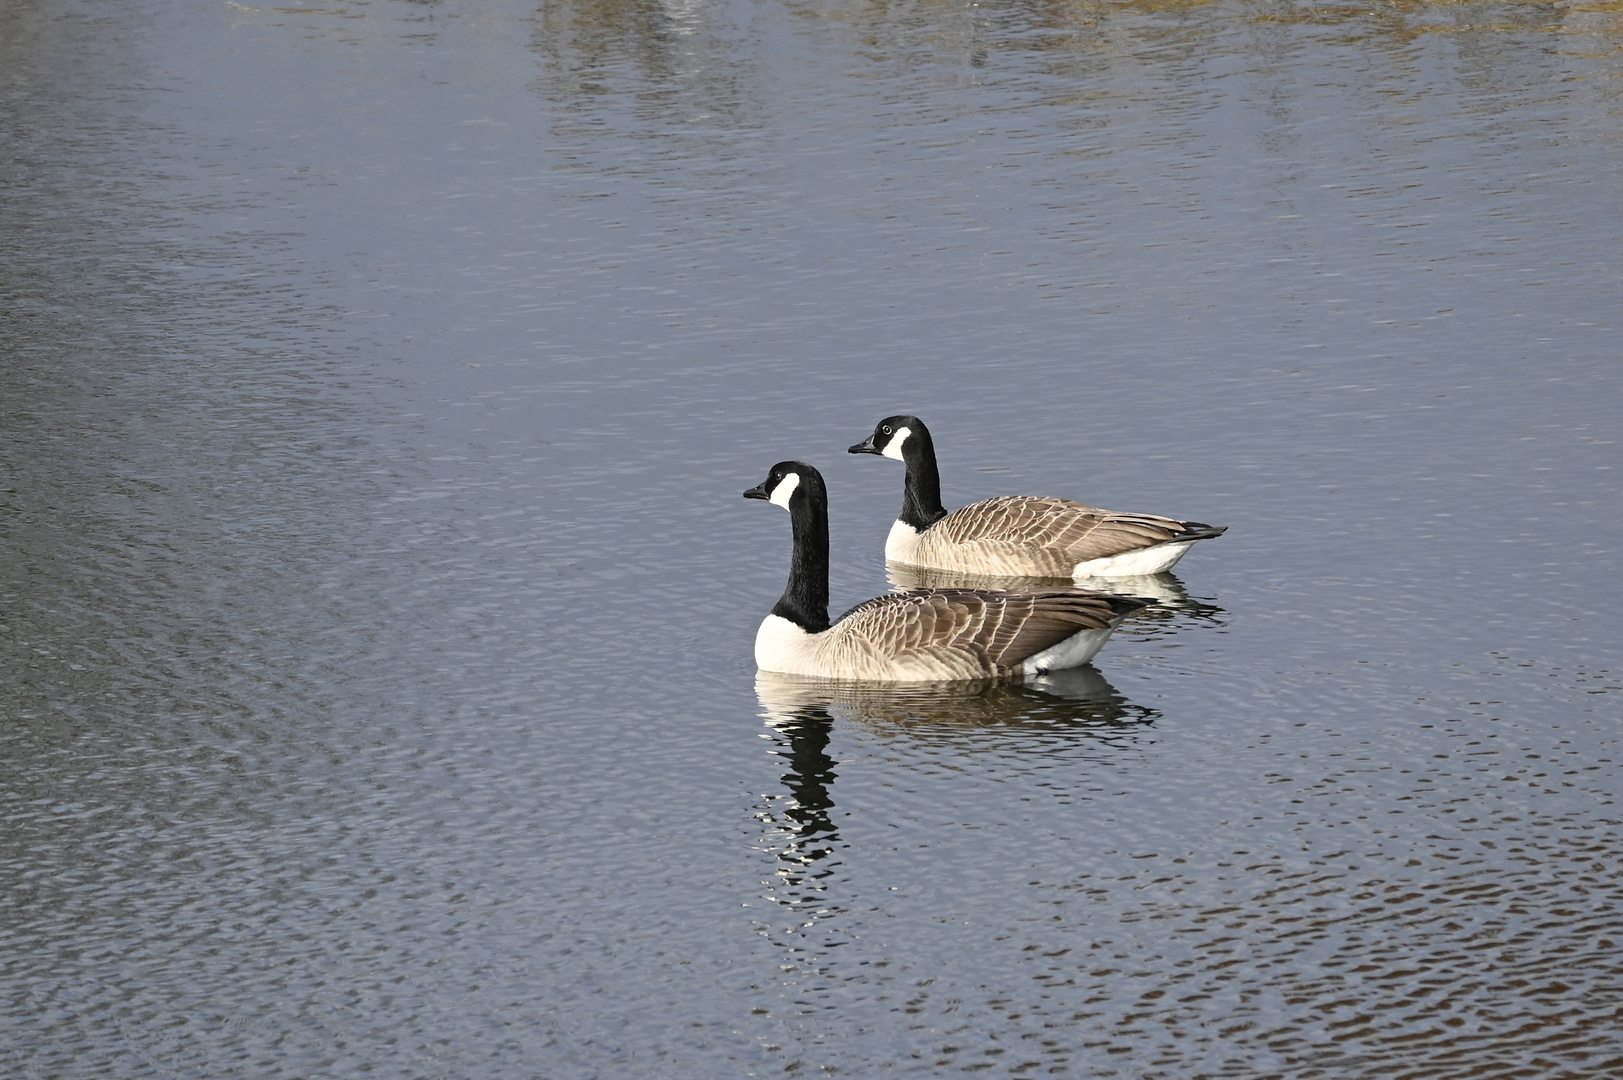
(377, 384)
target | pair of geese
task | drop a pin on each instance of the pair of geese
(948, 633)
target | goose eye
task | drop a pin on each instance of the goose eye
(885, 429)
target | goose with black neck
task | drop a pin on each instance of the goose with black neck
(1018, 535)
(923, 634)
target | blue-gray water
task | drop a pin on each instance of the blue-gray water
(377, 384)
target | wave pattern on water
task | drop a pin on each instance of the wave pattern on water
(377, 382)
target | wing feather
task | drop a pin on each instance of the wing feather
(1047, 536)
(972, 631)
(1082, 531)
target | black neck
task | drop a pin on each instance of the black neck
(805, 598)
(921, 498)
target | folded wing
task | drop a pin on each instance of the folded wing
(974, 632)
(1067, 532)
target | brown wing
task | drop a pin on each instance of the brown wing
(991, 631)
(1079, 531)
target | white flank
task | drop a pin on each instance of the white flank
(786, 487)
(1074, 651)
(902, 542)
(1144, 561)
(780, 645)
(893, 449)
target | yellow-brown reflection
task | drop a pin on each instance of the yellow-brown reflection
(348, 21)
(670, 58)
(592, 33)
(956, 33)
(1404, 21)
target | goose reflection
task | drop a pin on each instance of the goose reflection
(800, 830)
(1173, 606)
(1060, 702)
(1020, 721)
(1020, 717)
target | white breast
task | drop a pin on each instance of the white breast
(903, 543)
(780, 645)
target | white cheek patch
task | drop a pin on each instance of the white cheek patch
(786, 487)
(893, 449)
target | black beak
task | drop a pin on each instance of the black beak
(757, 492)
(866, 446)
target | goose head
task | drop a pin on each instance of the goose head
(786, 481)
(890, 436)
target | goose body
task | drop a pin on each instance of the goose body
(920, 635)
(1018, 535)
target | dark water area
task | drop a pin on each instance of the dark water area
(377, 384)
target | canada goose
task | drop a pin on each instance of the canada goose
(1024, 535)
(929, 634)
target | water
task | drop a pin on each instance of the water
(377, 384)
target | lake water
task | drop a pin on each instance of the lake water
(377, 384)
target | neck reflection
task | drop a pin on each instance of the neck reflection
(802, 833)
